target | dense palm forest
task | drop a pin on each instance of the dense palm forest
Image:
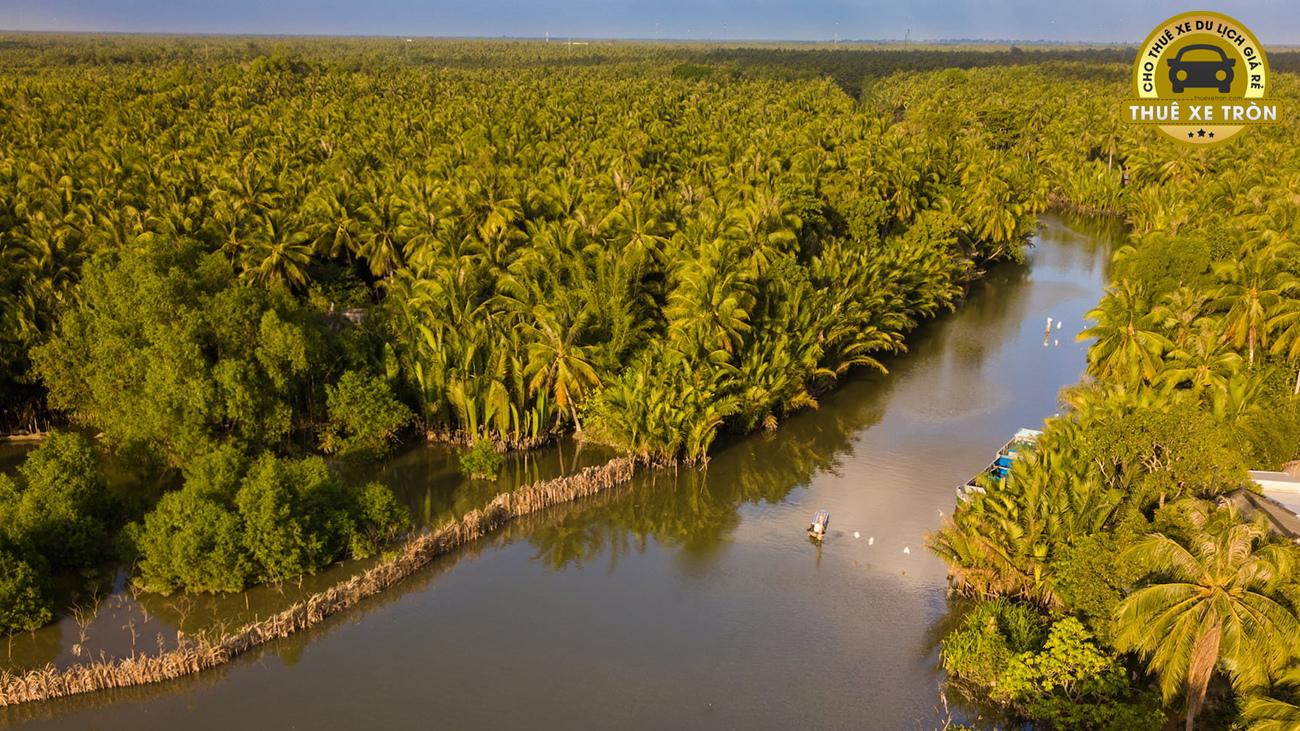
(231, 257)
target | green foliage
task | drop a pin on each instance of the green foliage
(377, 517)
(23, 605)
(691, 71)
(1279, 709)
(236, 523)
(1157, 447)
(1094, 573)
(170, 349)
(193, 541)
(55, 516)
(1272, 436)
(1056, 676)
(1071, 683)
(59, 506)
(294, 516)
(1162, 263)
(1210, 597)
(522, 261)
(990, 634)
(1009, 540)
(364, 416)
(481, 461)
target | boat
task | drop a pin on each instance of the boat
(1023, 442)
(820, 521)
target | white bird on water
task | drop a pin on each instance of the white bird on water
(857, 534)
(871, 541)
(906, 550)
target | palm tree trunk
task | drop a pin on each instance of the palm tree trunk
(577, 424)
(1198, 676)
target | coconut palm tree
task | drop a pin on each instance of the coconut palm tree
(1203, 364)
(1129, 339)
(1208, 602)
(558, 365)
(1270, 713)
(278, 253)
(1254, 294)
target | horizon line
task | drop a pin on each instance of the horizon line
(565, 38)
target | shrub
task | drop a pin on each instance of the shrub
(53, 516)
(234, 524)
(59, 504)
(23, 605)
(365, 417)
(377, 517)
(294, 516)
(193, 541)
(987, 638)
(482, 461)
(1071, 683)
(1058, 677)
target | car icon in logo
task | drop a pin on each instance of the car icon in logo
(1201, 74)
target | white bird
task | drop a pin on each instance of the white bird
(1058, 325)
(907, 550)
(857, 534)
(871, 541)
(1056, 342)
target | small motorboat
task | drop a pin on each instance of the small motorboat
(820, 521)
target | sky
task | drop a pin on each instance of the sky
(1274, 22)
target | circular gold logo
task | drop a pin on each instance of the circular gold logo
(1201, 78)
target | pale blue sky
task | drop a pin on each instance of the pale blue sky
(1275, 22)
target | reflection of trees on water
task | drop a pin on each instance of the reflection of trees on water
(1090, 240)
(426, 478)
(696, 511)
(676, 509)
(1101, 231)
(32, 649)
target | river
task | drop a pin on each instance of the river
(689, 599)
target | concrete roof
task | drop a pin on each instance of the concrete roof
(1281, 521)
(1275, 480)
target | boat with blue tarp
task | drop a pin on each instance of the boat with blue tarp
(1022, 443)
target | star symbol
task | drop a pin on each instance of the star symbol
(1200, 133)
(1189, 134)
(1211, 134)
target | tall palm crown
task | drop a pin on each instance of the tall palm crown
(1209, 603)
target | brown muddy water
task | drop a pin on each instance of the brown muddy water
(685, 600)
